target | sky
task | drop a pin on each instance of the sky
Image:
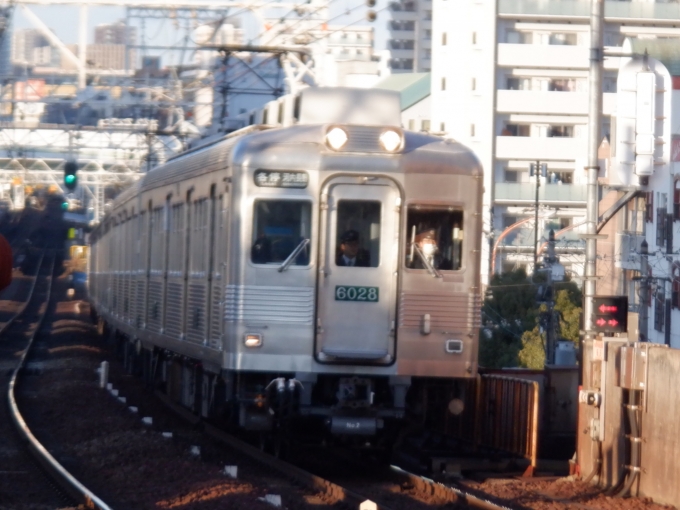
(62, 20)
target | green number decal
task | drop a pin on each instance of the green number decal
(353, 293)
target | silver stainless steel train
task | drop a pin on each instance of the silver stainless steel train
(327, 271)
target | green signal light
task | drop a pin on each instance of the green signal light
(70, 179)
(64, 206)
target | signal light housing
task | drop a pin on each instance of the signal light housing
(70, 175)
(610, 314)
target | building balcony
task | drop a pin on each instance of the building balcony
(549, 103)
(523, 193)
(401, 53)
(408, 35)
(539, 55)
(613, 10)
(544, 149)
(404, 15)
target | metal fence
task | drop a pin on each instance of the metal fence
(507, 416)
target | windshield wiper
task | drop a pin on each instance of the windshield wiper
(284, 265)
(427, 263)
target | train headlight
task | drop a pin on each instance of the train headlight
(390, 140)
(336, 138)
(253, 340)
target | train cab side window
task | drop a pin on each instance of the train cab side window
(279, 227)
(358, 230)
(434, 237)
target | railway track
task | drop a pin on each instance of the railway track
(35, 477)
(380, 489)
(391, 489)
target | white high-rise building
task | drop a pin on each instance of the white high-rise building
(410, 42)
(510, 79)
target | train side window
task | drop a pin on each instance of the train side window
(434, 235)
(358, 230)
(279, 227)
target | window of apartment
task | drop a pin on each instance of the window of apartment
(473, 85)
(427, 16)
(676, 201)
(409, 6)
(661, 221)
(509, 221)
(511, 175)
(405, 25)
(425, 125)
(609, 84)
(412, 124)
(563, 39)
(562, 85)
(515, 37)
(561, 131)
(565, 222)
(428, 33)
(474, 37)
(443, 83)
(649, 207)
(472, 130)
(443, 38)
(613, 38)
(675, 296)
(512, 83)
(442, 127)
(516, 130)
(562, 177)
(659, 307)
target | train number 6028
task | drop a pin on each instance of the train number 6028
(353, 293)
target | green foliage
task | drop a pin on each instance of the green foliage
(511, 336)
(532, 354)
(569, 314)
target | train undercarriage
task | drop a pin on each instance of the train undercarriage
(372, 413)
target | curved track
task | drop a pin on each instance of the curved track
(27, 486)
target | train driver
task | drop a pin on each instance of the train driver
(351, 253)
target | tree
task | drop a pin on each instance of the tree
(509, 310)
(532, 354)
(512, 334)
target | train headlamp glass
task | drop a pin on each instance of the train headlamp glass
(253, 340)
(336, 138)
(390, 140)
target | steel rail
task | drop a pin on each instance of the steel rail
(55, 470)
(353, 499)
(288, 470)
(446, 492)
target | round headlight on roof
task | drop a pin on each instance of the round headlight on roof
(336, 138)
(390, 140)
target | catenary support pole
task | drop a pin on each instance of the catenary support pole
(538, 185)
(594, 116)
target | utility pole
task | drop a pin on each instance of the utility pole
(594, 116)
(537, 169)
(644, 292)
(554, 271)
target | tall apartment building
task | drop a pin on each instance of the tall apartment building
(410, 42)
(24, 44)
(510, 79)
(115, 33)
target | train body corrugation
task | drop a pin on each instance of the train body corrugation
(221, 270)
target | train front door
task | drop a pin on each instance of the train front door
(356, 307)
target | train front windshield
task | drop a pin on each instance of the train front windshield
(279, 226)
